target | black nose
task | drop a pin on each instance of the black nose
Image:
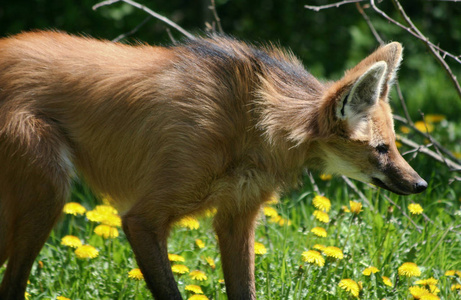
(420, 186)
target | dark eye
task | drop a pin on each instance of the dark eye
(382, 148)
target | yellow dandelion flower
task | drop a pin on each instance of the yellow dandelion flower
(62, 298)
(282, 221)
(319, 231)
(179, 269)
(40, 264)
(409, 269)
(405, 129)
(198, 275)
(370, 270)
(322, 203)
(313, 257)
(321, 216)
(434, 118)
(418, 291)
(200, 243)
(135, 274)
(26, 296)
(210, 212)
(221, 281)
(424, 127)
(453, 273)
(433, 289)
(260, 249)
(319, 247)
(106, 215)
(332, 251)
(456, 286)
(274, 199)
(269, 211)
(189, 222)
(112, 220)
(74, 208)
(356, 207)
(387, 281)
(275, 219)
(107, 200)
(350, 286)
(86, 251)
(94, 216)
(415, 209)
(325, 177)
(429, 281)
(429, 296)
(194, 289)
(106, 231)
(345, 209)
(198, 297)
(175, 258)
(210, 262)
(106, 209)
(71, 241)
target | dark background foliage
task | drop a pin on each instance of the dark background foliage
(328, 41)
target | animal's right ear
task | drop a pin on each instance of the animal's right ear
(363, 94)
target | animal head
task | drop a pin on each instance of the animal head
(361, 137)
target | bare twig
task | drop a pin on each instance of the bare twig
(418, 228)
(173, 40)
(434, 49)
(311, 178)
(370, 25)
(428, 136)
(216, 17)
(402, 103)
(337, 4)
(415, 34)
(150, 12)
(422, 149)
(413, 30)
(133, 31)
(381, 42)
(357, 191)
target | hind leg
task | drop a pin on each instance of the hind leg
(34, 183)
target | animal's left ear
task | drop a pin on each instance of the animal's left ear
(364, 93)
(391, 54)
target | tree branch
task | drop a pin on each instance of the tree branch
(133, 31)
(413, 30)
(337, 4)
(215, 15)
(357, 191)
(150, 12)
(381, 42)
(428, 136)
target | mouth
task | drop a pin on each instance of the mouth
(381, 184)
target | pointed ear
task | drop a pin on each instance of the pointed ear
(392, 55)
(364, 93)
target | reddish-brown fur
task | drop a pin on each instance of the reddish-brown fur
(168, 132)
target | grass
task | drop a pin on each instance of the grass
(382, 235)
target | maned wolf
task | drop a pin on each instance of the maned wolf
(171, 131)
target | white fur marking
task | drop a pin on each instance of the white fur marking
(337, 165)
